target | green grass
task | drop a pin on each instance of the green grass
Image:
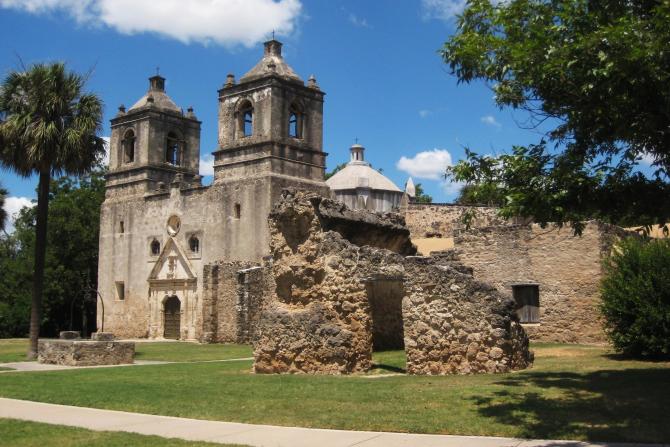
(13, 350)
(2, 368)
(572, 392)
(33, 434)
(189, 352)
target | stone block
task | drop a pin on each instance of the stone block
(69, 335)
(85, 352)
(102, 336)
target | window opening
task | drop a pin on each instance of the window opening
(155, 247)
(248, 123)
(194, 244)
(122, 228)
(238, 211)
(527, 298)
(173, 150)
(120, 290)
(129, 147)
(293, 125)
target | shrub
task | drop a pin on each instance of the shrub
(636, 297)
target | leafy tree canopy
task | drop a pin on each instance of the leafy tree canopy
(596, 72)
(420, 196)
(71, 258)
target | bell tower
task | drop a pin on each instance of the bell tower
(271, 124)
(152, 143)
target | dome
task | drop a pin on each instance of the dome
(156, 97)
(271, 63)
(359, 174)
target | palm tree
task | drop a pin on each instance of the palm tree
(48, 127)
(3, 213)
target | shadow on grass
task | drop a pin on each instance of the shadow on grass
(389, 368)
(630, 405)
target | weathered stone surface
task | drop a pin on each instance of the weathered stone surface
(320, 318)
(69, 335)
(85, 352)
(568, 269)
(102, 336)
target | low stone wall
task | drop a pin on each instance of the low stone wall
(85, 352)
(320, 318)
(457, 325)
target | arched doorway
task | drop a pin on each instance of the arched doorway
(171, 317)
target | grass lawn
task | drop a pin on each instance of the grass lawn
(13, 349)
(33, 434)
(572, 392)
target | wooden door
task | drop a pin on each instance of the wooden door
(172, 317)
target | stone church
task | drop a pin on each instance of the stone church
(185, 261)
(160, 226)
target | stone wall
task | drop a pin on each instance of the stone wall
(320, 317)
(566, 267)
(85, 352)
(233, 294)
(441, 220)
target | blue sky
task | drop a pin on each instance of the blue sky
(377, 62)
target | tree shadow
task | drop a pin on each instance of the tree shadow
(389, 368)
(630, 405)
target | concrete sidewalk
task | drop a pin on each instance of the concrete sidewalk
(251, 434)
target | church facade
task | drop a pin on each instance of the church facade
(160, 226)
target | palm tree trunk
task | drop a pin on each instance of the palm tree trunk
(40, 250)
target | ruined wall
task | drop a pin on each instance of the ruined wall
(441, 220)
(566, 267)
(320, 317)
(233, 294)
(457, 325)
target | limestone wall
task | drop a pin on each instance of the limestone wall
(329, 290)
(566, 267)
(233, 294)
(441, 220)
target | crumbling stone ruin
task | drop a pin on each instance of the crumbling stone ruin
(346, 281)
(71, 350)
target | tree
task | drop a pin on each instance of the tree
(48, 126)
(636, 297)
(71, 260)
(596, 72)
(420, 196)
(335, 171)
(3, 213)
(480, 194)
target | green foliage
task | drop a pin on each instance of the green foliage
(335, 170)
(420, 196)
(71, 258)
(481, 194)
(597, 73)
(636, 297)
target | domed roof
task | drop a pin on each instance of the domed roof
(272, 62)
(359, 174)
(156, 97)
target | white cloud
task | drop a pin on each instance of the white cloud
(427, 164)
(490, 121)
(105, 158)
(424, 113)
(358, 21)
(225, 22)
(441, 9)
(12, 207)
(207, 165)
(647, 159)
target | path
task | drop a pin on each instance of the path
(36, 366)
(250, 434)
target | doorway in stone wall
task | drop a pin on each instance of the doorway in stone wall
(385, 297)
(172, 318)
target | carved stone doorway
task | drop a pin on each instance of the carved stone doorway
(172, 317)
